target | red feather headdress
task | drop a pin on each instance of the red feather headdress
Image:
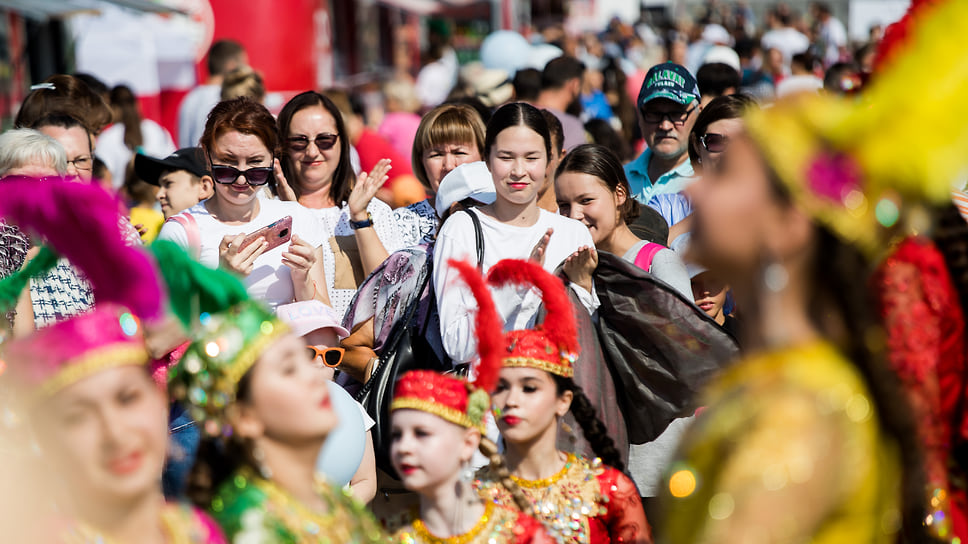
(553, 345)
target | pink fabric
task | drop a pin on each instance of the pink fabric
(400, 128)
(648, 252)
(213, 531)
(75, 217)
(372, 148)
(35, 358)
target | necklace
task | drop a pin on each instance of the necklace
(487, 519)
(177, 523)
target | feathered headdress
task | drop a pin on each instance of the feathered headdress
(459, 401)
(857, 166)
(229, 332)
(551, 346)
(81, 222)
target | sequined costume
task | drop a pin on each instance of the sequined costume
(182, 524)
(498, 525)
(788, 449)
(252, 509)
(584, 503)
(926, 348)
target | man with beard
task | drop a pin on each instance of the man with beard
(561, 82)
(668, 105)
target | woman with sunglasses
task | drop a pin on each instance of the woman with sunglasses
(239, 139)
(314, 169)
(351, 459)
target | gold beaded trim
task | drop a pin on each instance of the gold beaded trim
(91, 362)
(424, 535)
(550, 480)
(565, 371)
(446, 412)
(248, 355)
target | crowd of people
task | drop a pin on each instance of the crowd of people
(680, 285)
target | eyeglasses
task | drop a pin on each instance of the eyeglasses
(677, 118)
(331, 357)
(226, 175)
(714, 143)
(323, 142)
(82, 163)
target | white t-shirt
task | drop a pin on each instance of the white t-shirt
(336, 223)
(789, 41)
(193, 112)
(270, 280)
(156, 142)
(456, 240)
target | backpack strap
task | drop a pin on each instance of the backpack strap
(187, 221)
(648, 252)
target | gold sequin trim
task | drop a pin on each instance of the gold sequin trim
(529, 362)
(424, 535)
(450, 414)
(91, 362)
(549, 481)
(248, 355)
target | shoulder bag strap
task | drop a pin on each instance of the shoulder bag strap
(648, 252)
(478, 238)
(187, 221)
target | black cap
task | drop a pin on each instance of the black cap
(190, 159)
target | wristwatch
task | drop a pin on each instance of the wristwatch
(368, 222)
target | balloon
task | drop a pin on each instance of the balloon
(506, 50)
(542, 54)
(343, 451)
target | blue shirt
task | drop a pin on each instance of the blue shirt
(672, 182)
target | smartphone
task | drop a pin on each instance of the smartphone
(276, 234)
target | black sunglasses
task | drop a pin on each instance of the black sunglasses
(331, 357)
(226, 175)
(675, 117)
(323, 142)
(714, 143)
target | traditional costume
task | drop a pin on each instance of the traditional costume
(586, 501)
(800, 413)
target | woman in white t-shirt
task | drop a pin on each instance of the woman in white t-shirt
(516, 149)
(314, 169)
(238, 140)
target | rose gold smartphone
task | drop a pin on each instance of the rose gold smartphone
(276, 234)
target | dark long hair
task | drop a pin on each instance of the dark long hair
(592, 428)
(603, 164)
(842, 308)
(342, 183)
(512, 115)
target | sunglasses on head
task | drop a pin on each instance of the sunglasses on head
(714, 143)
(331, 357)
(226, 175)
(323, 142)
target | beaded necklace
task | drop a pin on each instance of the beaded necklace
(495, 526)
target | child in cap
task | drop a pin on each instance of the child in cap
(345, 459)
(182, 178)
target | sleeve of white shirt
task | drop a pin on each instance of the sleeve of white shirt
(455, 302)
(174, 232)
(668, 267)
(368, 422)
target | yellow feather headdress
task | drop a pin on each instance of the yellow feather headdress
(860, 167)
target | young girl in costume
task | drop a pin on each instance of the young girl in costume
(809, 437)
(579, 500)
(437, 425)
(83, 386)
(264, 410)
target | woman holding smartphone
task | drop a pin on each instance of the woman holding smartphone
(239, 140)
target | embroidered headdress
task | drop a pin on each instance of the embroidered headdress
(459, 401)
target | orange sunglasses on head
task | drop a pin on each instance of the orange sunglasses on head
(331, 357)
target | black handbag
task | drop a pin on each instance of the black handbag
(406, 349)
